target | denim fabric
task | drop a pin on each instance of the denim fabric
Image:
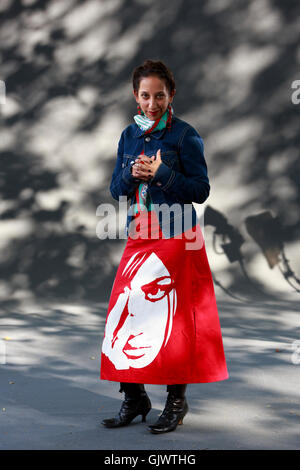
(180, 180)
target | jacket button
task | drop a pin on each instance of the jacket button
(147, 139)
(158, 184)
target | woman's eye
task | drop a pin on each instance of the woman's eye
(158, 289)
(160, 97)
(156, 295)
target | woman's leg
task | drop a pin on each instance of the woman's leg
(177, 390)
(132, 389)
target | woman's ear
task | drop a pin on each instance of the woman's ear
(172, 94)
(135, 94)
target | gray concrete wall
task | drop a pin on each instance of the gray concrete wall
(66, 67)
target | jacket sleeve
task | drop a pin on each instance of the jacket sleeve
(122, 182)
(192, 184)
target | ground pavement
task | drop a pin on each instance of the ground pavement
(52, 398)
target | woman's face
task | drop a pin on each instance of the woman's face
(140, 322)
(153, 97)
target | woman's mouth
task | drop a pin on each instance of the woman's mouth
(153, 113)
(132, 352)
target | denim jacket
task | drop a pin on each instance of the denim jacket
(180, 180)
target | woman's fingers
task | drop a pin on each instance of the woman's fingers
(145, 167)
(140, 172)
(144, 160)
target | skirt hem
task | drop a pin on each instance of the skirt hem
(174, 381)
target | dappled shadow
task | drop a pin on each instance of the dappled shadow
(67, 67)
(67, 74)
(53, 398)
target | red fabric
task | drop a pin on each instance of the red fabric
(162, 312)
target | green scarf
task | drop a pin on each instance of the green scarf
(145, 124)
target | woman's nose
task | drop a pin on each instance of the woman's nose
(152, 103)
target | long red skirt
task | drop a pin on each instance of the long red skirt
(162, 325)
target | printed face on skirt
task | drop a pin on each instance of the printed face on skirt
(141, 320)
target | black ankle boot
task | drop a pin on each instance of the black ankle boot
(136, 403)
(175, 410)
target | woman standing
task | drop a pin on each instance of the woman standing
(162, 325)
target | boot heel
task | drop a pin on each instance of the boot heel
(181, 419)
(144, 415)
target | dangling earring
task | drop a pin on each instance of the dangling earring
(168, 124)
(139, 109)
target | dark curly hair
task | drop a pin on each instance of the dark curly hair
(153, 67)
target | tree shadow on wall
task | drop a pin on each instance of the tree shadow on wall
(207, 46)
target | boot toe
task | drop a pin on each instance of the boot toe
(110, 423)
(158, 430)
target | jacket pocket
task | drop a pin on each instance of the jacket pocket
(170, 158)
(128, 160)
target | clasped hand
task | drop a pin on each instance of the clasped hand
(144, 168)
